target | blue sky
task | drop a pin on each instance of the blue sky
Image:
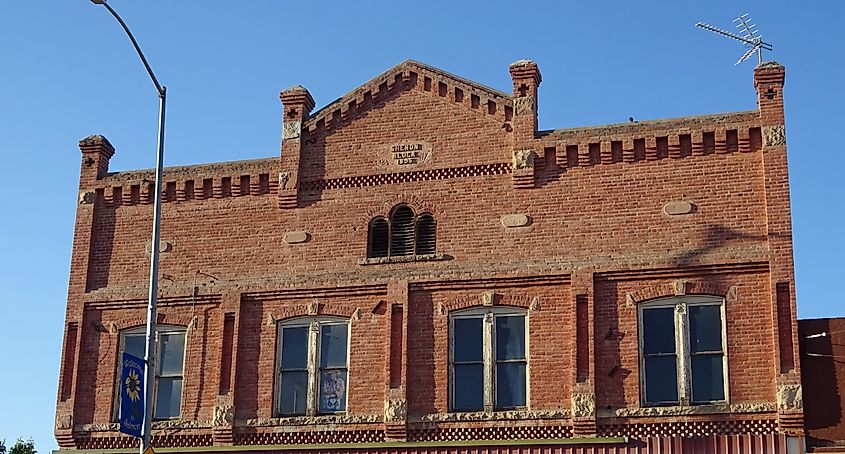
(68, 71)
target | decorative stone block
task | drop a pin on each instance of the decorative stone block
(523, 105)
(678, 208)
(87, 197)
(523, 160)
(291, 130)
(296, 237)
(515, 220)
(790, 397)
(774, 135)
(395, 410)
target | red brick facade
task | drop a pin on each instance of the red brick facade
(823, 376)
(577, 227)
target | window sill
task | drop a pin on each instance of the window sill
(405, 259)
(310, 420)
(498, 415)
(684, 410)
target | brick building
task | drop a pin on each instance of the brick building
(424, 269)
(822, 343)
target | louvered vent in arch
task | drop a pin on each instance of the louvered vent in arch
(402, 234)
(426, 228)
(379, 238)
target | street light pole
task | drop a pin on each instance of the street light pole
(150, 354)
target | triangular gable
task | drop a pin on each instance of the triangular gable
(425, 78)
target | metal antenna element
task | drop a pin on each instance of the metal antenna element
(748, 35)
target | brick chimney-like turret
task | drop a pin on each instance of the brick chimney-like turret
(296, 104)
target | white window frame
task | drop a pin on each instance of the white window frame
(488, 328)
(142, 331)
(314, 325)
(683, 356)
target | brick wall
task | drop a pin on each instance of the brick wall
(614, 216)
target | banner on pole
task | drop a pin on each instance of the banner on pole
(131, 395)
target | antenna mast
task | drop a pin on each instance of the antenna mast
(749, 35)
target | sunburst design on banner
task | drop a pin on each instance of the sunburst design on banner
(133, 386)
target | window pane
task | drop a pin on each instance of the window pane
(705, 324)
(172, 353)
(135, 344)
(469, 388)
(333, 345)
(659, 330)
(510, 337)
(332, 390)
(661, 374)
(168, 398)
(708, 378)
(510, 385)
(294, 393)
(294, 347)
(468, 339)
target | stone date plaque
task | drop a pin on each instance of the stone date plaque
(404, 153)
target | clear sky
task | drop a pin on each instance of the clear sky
(68, 71)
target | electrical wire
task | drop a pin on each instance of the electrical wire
(824, 334)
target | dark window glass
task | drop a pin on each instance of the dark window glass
(295, 348)
(468, 387)
(135, 344)
(659, 330)
(379, 238)
(333, 346)
(510, 385)
(705, 323)
(333, 372)
(425, 234)
(168, 397)
(510, 338)
(467, 339)
(661, 373)
(707, 378)
(332, 390)
(172, 353)
(294, 392)
(169, 374)
(402, 234)
(294, 373)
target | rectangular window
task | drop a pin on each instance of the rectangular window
(333, 371)
(682, 343)
(511, 363)
(313, 366)
(294, 371)
(468, 364)
(706, 354)
(489, 353)
(169, 368)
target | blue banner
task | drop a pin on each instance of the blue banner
(131, 394)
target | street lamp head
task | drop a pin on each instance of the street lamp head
(98, 2)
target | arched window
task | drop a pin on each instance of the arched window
(402, 231)
(402, 234)
(425, 234)
(379, 241)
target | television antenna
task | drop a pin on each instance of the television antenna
(748, 34)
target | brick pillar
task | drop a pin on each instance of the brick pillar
(96, 153)
(584, 388)
(769, 80)
(224, 409)
(396, 395)
(526, 80)
(296, 104)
